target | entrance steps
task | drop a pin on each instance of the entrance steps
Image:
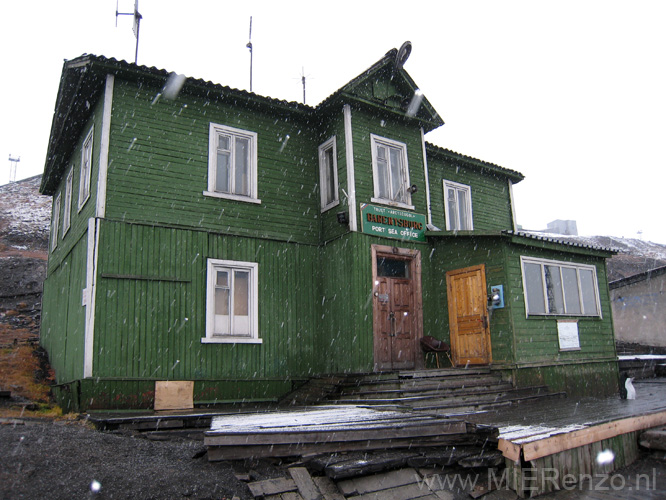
(448, 391)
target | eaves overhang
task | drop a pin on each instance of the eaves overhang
(82, 82)
(452, 156)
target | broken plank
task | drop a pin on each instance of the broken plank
(304, 483)
(272, 486)
(328, 488)
(412, 491)
(378, 482)
(367, 465)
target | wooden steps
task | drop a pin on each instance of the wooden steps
(454, 391)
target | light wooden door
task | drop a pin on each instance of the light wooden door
(468, 316)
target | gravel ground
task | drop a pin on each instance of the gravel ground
(61, 460)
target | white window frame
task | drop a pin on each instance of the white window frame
(67, 213)
(446, 185)
(86, 169)
(376, 140)
(55, 223)
(561, 264)
(213, 265)
(325, 172)
(215, 129)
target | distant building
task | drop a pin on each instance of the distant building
(639, 308)
(567, 227)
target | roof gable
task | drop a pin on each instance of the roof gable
(388, 87)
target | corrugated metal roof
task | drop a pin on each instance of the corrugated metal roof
(438, 150)
(568, 241)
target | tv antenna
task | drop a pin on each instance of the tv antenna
(136, 25)
(12, 168)
(303, 79)
(249, 46)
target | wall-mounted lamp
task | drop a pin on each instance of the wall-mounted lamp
(343, 217)
(412, 189)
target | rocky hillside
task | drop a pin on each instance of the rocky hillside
(24, 232)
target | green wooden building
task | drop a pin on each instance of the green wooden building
(208, 234)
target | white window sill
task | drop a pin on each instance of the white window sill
(329, 206)
(235, 197)
(230, 340)
(394, 204)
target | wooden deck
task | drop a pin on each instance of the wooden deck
(334, 428)
(568, 438)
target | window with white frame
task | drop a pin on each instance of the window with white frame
(560, 288)
(458, 206)
(67, 209)
(328, 174)
(390, 172)
(232, 163)
(55, 223)
(232, 302)
(86, 169)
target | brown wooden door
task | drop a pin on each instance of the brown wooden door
(468, 316)
(394, 331)
(396, 310)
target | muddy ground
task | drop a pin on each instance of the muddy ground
(61, 459)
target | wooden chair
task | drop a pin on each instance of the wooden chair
(431, 345)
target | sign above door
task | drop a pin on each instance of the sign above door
(392, 223)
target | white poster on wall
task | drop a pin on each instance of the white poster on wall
(567, 332)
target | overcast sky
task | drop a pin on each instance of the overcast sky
(570, 93)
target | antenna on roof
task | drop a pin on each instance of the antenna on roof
(249, 46)
(135, 26)
(12, 168)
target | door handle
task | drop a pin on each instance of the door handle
(485, 322)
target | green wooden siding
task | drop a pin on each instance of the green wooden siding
(79, 219)
(150, 311)
(158, 167)
(63, 317)
(491, 198)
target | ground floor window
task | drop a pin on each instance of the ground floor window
(232, 302)
(560, 288)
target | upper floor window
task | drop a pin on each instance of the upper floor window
(55, 223)
(458, 206)
(560, 288)
(67, 210)
(328, 174)
(232, 302)
(86, 169)
(390, 172)
(232, 163)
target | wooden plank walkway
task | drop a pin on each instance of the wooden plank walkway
(334, 428)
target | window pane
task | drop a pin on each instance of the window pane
(588, 290)
(534, 289)
(241, 173)
(554, 289)
(241, 293)
(397, 182)
(222, 279)
(453, 209)
(571, 290)
(392, 268)
(222, 173)
(462, 210)
(224, 142)
(330, 177)
(382, 173)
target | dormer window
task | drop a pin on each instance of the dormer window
(390, 172)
